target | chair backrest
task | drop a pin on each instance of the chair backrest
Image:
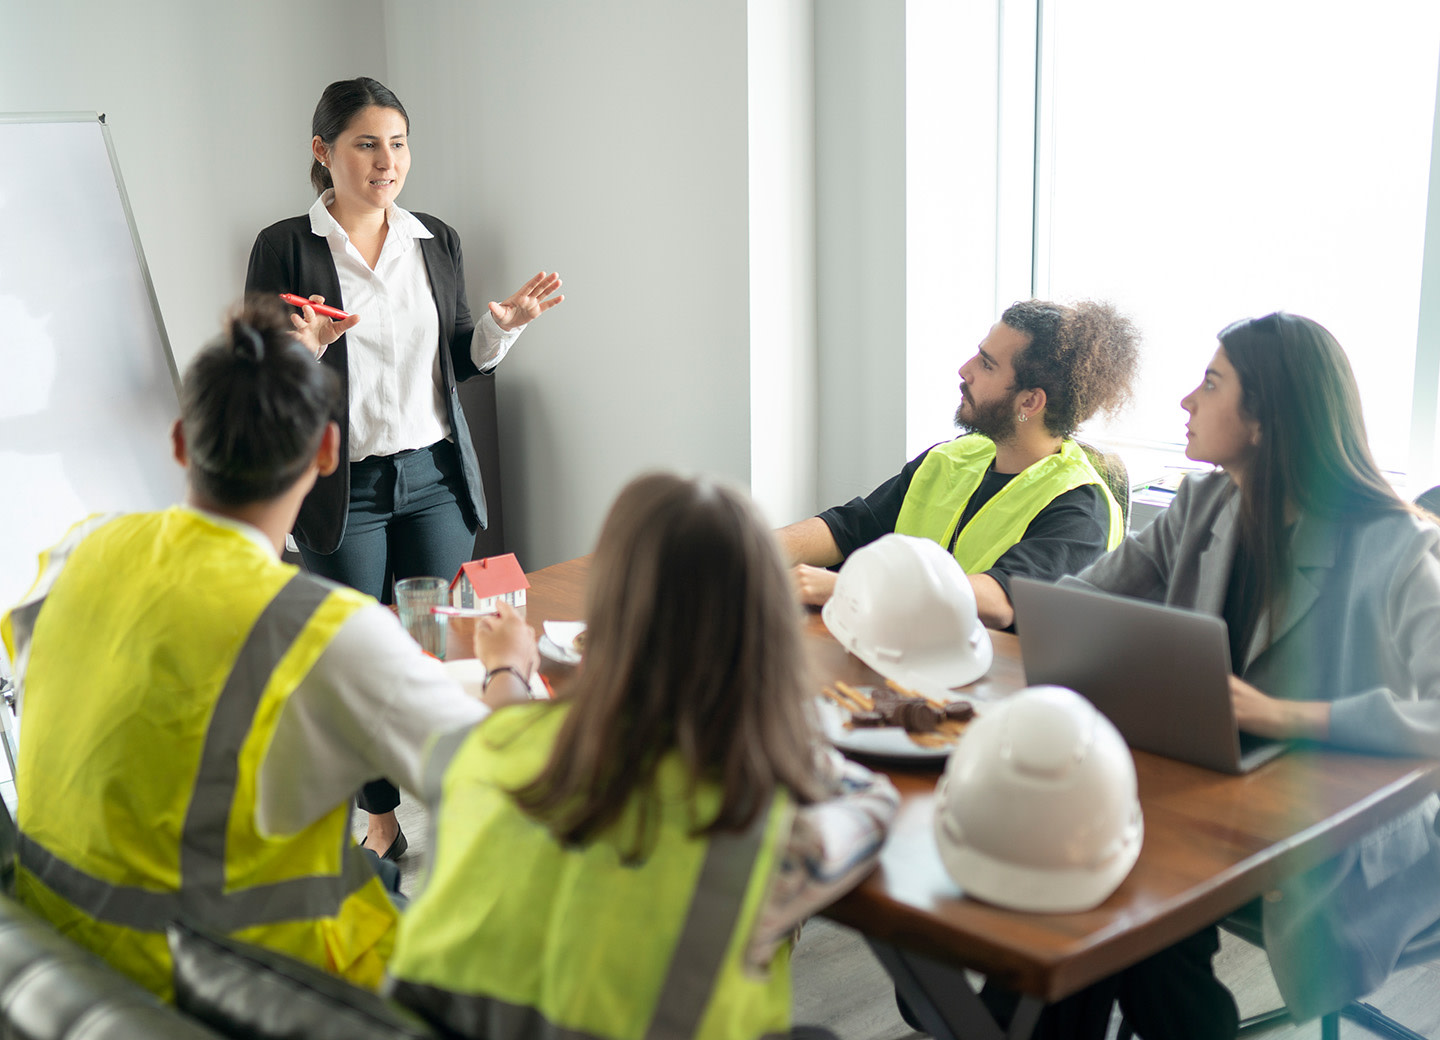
(1111, 468)
(1430, 501)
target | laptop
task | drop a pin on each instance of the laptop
(1159, 673)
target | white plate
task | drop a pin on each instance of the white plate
(880, 741)
(558, 642)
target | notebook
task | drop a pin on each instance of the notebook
(1159, 673)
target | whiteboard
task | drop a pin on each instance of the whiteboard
(88, 388)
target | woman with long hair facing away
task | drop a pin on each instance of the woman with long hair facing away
(632, 859)
(1330, 586)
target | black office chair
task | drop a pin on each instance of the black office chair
(1111, 468)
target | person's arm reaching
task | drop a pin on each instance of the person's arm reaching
(506, 646)
(810, 546)
(809, 542)
(825, 540)
(368, 708)
(992, 602)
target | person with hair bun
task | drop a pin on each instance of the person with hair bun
(406, 499)
(197, 713)
(1016, 495)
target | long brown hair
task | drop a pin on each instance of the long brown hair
(694, 647)
(1313, 455)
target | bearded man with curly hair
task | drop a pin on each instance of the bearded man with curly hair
(1014, 494)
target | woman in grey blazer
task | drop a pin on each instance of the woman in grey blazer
(1330, 585)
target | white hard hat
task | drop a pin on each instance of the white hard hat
(904, 606)
(1038, 808)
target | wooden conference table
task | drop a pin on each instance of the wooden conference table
(1212, 844)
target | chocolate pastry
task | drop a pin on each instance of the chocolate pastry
(917, 717)
(886, 700)
(959, 711)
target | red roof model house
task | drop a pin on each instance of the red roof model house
(480, 584)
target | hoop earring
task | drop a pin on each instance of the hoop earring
(1024, 418)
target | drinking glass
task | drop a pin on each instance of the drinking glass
(413, 599)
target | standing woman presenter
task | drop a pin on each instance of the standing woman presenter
(410, 499)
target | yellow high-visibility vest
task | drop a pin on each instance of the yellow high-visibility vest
(517, 935)
(158, 666)
(950, 474)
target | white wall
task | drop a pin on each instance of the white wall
(209, 110)
(860, 243)
(783, 359)
(608, 141)
(951, 192)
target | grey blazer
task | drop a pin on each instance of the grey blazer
(1362, 630)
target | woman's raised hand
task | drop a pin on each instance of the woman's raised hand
(315, 331)
(528, 302)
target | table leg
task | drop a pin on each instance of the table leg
(942, 999)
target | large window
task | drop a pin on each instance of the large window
(1198, 163)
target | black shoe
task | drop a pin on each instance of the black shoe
(397, 847)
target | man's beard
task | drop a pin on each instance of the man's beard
(995, 420)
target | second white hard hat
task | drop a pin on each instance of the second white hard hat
(1038, 808)
(904, 606)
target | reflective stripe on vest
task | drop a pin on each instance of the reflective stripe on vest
(17, 625)
(951, 473)
(161, 660)
(483, 966)
(694, 964)
(202, 848)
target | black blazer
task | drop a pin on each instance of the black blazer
(289, 257)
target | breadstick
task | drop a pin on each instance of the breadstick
(914, 694)
(862, 702)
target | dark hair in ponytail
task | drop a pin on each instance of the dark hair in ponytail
(339, 104)
(254, 405)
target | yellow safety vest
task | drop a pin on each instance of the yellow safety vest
(516, 935)
(158, 666)
(950, 474)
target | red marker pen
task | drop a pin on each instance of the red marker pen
(319, 308)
